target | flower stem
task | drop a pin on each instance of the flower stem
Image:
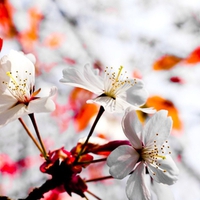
(38, 135)
(93, 195)
(99, 179)
(101, 110)
(85, 197)
(30, 135)
(93, 161)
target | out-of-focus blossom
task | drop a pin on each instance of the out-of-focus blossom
(55, 194)
(61, 115)
(160, 103)
(166, 62)
(1, 44)
(42, 67)
(176, 79)
(54, 40)
(149, 150)
(69, 61)
(17, 88)
(7, 166)
(98, 65)
(12, 168)
(111, 89)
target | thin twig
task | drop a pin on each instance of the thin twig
(93, 195)
(99, 179)
(38, 134)
(101, 110)
(30, 135)
(93, 161)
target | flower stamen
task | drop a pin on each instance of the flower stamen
(116, 82)
(10, 75)
(19, 88)
(151, 154)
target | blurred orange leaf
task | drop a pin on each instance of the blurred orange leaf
(141, 116)
(194, 57)
(166, 62)
(6, 13)
(30, 36)
(160, 103)
(83, 111)
(84, 116)
(78, 97)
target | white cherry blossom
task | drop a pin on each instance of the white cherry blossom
(17, 88)
(111, 88)
(150, 149)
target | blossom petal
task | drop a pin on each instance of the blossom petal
(125, 104)
(85, 78)
(107, 102)
(110, 104)
(5, 65)
(18, 69)
(136, 186)
(162, 191)
(31, 57)
(145, 110)
(92, 76)
(132, 128)
(21, 64)
(44, 104)
(157, 129)
(12, 114)
(6, 102)
(122, 161)
(137, 95)
(166, 173)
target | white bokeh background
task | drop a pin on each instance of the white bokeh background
(132, 33)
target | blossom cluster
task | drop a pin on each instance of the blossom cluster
(144, 155)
